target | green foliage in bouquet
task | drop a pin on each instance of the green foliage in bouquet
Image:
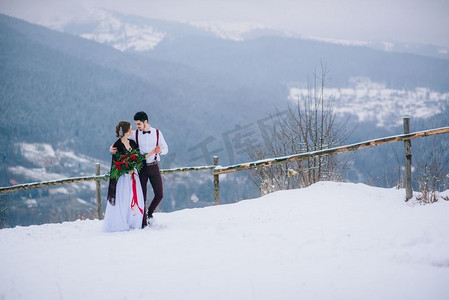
(126, 162)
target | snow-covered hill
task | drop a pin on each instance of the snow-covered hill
(105, 27)
(130, 33)
(327, 241)
(53, 164)
(372, 101)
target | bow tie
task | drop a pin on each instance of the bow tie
(149, 131)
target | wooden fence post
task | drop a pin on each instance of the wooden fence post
(216, 184)
(408, 161)
(97, 172)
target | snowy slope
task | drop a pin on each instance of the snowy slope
(109, 29)
(126, 33)
(372, 101)
(328, 241)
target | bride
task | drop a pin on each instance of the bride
(123, 212)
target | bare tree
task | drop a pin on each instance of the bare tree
(432, 173)
(309, 125)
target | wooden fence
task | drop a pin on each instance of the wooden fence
(217, 170)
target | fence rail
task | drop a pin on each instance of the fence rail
(330, 151)
(40, 184)
(217, 170)
(35, 185)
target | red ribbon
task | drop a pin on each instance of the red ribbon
(134, 202)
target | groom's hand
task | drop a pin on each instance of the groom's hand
(156, 150)
(113, 149)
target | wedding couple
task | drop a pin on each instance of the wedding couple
(125, 209)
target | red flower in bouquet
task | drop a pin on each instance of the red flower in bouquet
(126, 162)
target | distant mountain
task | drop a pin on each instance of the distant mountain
(128, 33)
(287, 61)
(388, 46)
(133, 33)
(251, 53)
(87, 87)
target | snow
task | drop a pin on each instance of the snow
(35, 173)
(327, 241)
(108, 28)
(46, 158)
(371, 101)
(127, 36)
(43, 155)
(229, 31)
(38, 153)
(341, 41)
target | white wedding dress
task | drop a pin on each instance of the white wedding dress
(121, 217)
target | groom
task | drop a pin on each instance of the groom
(152, 144)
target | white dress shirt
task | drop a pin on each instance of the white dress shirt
(147, 142)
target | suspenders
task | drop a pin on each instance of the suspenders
(157, 141)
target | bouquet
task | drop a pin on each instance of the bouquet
(126, 162)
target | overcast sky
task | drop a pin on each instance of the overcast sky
(415, 21)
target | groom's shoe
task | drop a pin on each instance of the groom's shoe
(150, 220)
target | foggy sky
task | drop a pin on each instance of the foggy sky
(410, 21)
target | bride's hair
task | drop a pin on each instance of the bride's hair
(122, 128)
